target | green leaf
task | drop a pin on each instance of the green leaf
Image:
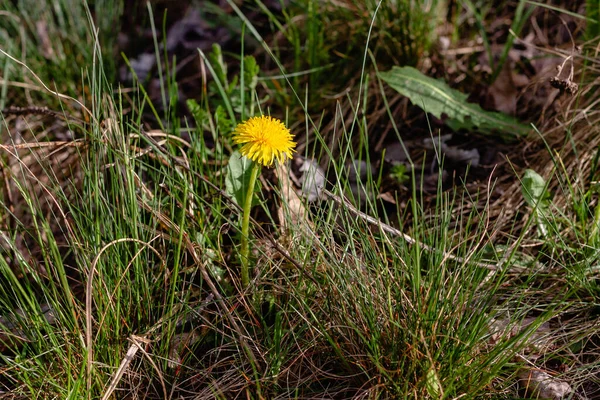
(399, 173)
(232, 85)
(433, 384)
(536, 195)
(223, 122)
(534, 189)
(200, 115)
(251, 70)
(239, 169)
(437, 98)
(219, 66)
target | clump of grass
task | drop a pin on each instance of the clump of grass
(55, 41)
(323, 43)
(122, 274)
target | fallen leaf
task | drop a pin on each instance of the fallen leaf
(312, 180)
(541, 385)
(291, 211)
(503, 93)
(387, 197)
(470, 157)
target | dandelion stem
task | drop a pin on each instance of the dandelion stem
(246, 224)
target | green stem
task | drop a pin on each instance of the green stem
(246, 224)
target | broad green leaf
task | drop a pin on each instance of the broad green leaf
(536, 195)
(534, 189)
(439, 99)
(239, 169)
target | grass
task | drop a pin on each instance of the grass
(120, 268)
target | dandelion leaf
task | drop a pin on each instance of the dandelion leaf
(436, 97)
(216, 60)
(224, 124)
(534, 189)
(251, 70)
(200, 115)
(535, 193)
(239, 169)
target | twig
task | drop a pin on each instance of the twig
(57, 144)
(131, 352)
(41, 111)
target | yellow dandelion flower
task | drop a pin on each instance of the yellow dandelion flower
(264, 139)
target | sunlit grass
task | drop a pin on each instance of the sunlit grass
(120, 268)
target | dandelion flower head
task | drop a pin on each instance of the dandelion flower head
(264, 139)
